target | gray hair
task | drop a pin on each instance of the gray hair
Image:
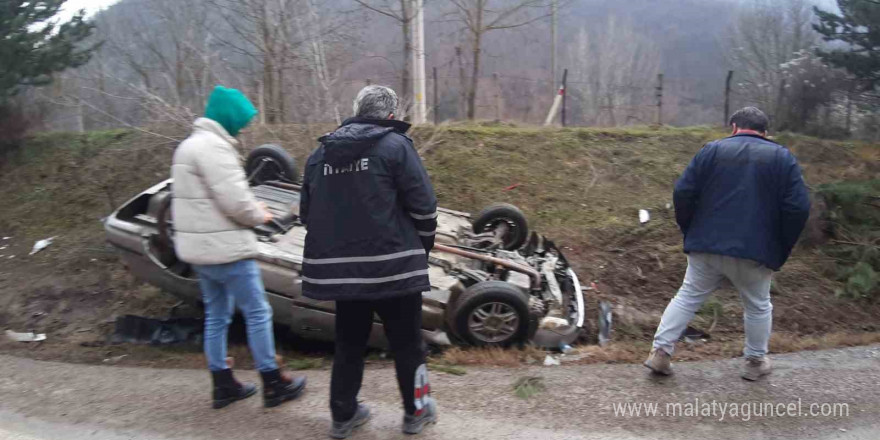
(376, 102)
(750, 118)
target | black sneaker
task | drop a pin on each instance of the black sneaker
(415, 424)
(344, 429)
(228, 390)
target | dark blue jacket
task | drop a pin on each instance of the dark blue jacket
(744, 197)
(371, 214)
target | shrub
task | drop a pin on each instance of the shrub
(854, 215)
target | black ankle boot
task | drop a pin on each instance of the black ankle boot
(228, 390)
(280, 387)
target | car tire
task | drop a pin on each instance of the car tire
(490, 303)
(277, 164)
(496, 213)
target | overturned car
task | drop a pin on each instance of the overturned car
(493, 282)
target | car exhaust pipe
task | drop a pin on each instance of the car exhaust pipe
(532, 273)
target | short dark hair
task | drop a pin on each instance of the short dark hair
(750, 118)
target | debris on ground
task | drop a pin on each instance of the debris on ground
(140, 330)
(512, 187)
(551, 361)
(644, 216)
(574, 357)
(692, 335)
(527, 386)
(7, 238)
(25, 337)
(115, 359)
(42, 244)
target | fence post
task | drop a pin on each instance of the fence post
(659, 99)
(497, 97)
(727, 97)
(849, 105)
(564, 80)
(436, 98)
(777, 112)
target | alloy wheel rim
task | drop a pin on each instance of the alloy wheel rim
(493, 322)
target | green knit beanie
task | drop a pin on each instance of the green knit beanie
(230, 108)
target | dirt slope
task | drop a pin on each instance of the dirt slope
(582, 187)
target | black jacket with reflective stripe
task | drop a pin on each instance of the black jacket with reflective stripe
(370, 211)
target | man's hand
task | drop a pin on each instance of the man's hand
(267, 215)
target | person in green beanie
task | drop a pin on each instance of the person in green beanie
(214, 211)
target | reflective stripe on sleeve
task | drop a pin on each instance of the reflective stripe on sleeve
(365, 259)
(402, 276)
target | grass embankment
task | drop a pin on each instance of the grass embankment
(581, 187)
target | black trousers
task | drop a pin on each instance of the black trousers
(402, 319)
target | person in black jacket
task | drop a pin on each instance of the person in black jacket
(741, 205)
(371, 216)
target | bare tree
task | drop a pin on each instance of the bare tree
(403, 12)
(482, 16)
(612, 72)
(259, 34)
(765, 35)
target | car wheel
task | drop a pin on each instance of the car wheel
(506, 216)
(270, 162)
(492, 313)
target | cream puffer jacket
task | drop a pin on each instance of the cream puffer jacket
(213, 208)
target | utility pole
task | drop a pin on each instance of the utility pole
(727, 97)
(659, 99)
(554, 22)
(436, 97)
(418, 44)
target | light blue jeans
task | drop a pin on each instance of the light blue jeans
(705, 273)
(223, 287)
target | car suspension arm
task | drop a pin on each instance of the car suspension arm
(516, 267)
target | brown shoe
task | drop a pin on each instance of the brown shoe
(756, 368)
(660, 362)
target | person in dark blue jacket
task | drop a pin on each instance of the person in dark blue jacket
(741, 205)
(371, 215)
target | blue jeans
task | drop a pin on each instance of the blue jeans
(705, 273)
(223, 287)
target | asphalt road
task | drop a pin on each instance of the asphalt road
(47, 400)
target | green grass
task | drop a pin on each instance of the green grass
(448, 369)
(527, 387)
(305, 363)
(580, 186)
